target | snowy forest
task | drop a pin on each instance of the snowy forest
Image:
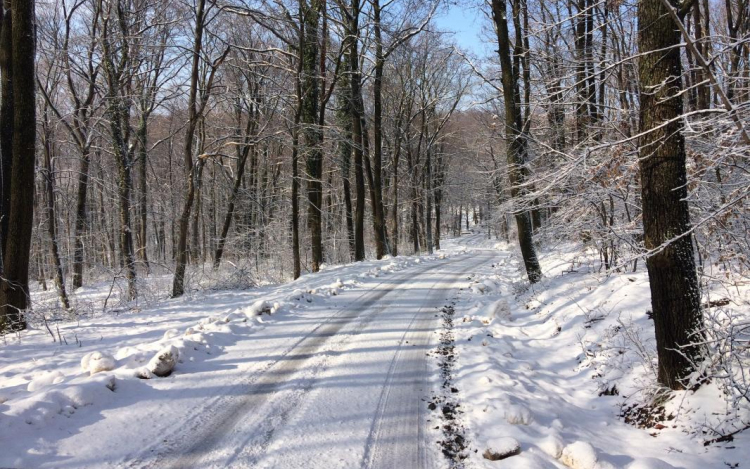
(158, 156)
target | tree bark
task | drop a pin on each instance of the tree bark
(81, 217)
(675, 297)
(311, 131)
(118, 113)
(296, 267)
(14, 289)
(142, 142)
(6, 119)
(377, 157)
(344, 118)
(357, 115)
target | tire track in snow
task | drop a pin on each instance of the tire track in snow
(384, 455)
(188, 444)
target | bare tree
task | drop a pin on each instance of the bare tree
(516, 136)
(196, 106)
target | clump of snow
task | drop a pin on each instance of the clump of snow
(96, 362)
(518, 415)
(485, 285)
(552, 445)
(498, 309)
(582, 455)
(45, 379)
(163, 362)
(501, 448)
(478, 288)
(300, 295)
(259, 307)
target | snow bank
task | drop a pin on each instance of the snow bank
(554, 366)
(50, 402)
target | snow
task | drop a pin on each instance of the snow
(649, 463)
(539, 364)
(96, 362)
(45, 379)
(501, 448)
(162, 364)
(517, 415)
(329, 358)
(85, 402)
(581, 455)
(552, 445)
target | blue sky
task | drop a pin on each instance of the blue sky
(464, 19)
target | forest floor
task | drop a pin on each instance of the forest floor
(429, 361)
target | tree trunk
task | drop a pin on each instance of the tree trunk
(14, 289)
(124, 188)
(178, 284)
(81, 216)
(6, 120)
(357, 114)
(581, 105)
(344, 118)
(703, 87)
(377, 157)
(368, 171)
(194, 247)
(297, 270)
(428, 196)
(230, 205)
(671, 267)
(311, 131)
(516, 140)
(49, 189)
(394, 208)
(438, 208)
(142, 142)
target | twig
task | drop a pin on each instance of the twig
(44, 318)
(704, 65)
(725, 438)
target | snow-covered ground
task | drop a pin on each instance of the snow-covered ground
(379, 364)
(552, 368)
(241, 358)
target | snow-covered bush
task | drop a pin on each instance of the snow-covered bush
(232, 276)
(728, 343)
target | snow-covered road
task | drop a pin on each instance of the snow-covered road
(342, 389)
(332, 371)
